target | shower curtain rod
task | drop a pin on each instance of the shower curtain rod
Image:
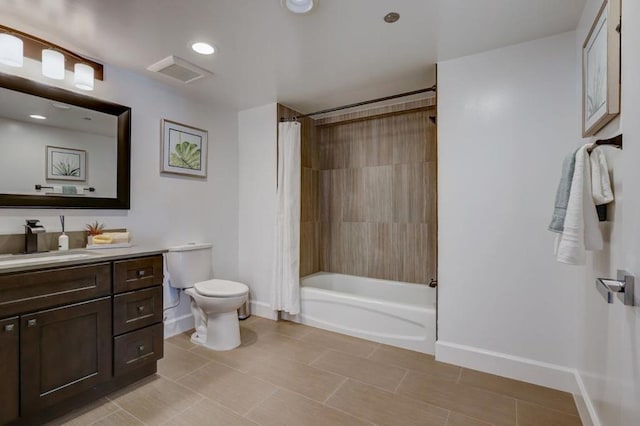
(357, 104)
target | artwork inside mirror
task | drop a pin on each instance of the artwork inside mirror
(61, 149)
(601, 69)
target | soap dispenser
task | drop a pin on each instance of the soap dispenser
(63, 239)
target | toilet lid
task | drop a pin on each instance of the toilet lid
(220, 288)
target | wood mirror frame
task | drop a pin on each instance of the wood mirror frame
(123, 115)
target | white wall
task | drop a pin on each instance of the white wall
(22, 164)
(506, 119)
(165, 210)
(257, 203)
(609, 346)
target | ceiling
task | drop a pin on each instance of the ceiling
(341, 52)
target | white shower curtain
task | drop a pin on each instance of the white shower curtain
(285, 295)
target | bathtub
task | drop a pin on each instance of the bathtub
(394, 313)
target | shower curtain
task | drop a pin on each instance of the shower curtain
(285, 295)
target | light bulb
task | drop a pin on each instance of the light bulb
(83, 76)
(11, 50)
(53, 64)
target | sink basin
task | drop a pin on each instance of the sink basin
(26, 259)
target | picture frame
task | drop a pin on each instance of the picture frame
(66, 163)
(601, 69)
(183, 149)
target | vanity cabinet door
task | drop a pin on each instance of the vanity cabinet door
(9, 369)
(65, 351)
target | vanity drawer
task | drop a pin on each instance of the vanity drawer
(137, 309)
(33, 291)
(137, 273)
(138, 348)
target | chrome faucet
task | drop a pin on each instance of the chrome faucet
(31, 231)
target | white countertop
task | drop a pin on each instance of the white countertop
(54, 259)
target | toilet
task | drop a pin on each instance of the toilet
(214, 302)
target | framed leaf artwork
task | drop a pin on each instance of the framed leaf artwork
(183, 150)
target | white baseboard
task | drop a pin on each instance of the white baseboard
(513, 367)
(178, 325)
(524, 369)
(584, 404)
(262, 309)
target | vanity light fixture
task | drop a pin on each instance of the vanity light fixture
(52, 64)
(203, 48)
(38, 117)
(11, 48)
(299, 6)
(16, 45)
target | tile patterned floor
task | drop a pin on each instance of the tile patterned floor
(289, 374)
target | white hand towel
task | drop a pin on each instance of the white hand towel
(600, 183)
(581, 228)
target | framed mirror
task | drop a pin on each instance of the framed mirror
(61, 149)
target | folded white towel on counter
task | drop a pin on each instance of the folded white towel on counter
(581, 230)
(600, 182)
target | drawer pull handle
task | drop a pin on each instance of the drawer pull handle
(32, 323)
(140, 348)
(141, 273)
(9, 328)
(140, 309)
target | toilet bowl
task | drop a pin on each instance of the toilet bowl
(214, 302)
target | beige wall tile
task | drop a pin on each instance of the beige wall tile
(384, 408)
(378, 188)
(354, 207)
(468, 400)
(288, 409)
(364, 370)
(307, 248)
(550, 398)
(379, 250)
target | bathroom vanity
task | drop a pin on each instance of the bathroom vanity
(75, 329)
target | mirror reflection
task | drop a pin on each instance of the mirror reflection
(56, 149)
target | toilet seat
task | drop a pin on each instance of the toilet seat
(220, 288)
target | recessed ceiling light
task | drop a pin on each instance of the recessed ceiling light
(38, 117)
(203, 48)
(391, 17)
(299, 6)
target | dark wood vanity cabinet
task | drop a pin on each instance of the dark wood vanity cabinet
(9, 369)
(81, 336)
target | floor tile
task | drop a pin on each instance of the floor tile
(118, 418)
(340, 342)
(546, 397)
(289, 409)
(241, 358)
(309, 381)
(287, 347)
(87, 414)
(208, 412)
(457, 419)
(384, 408)
(288, 328)
(536, 415)
(154, 400)
(416, 361)
(468, 400)
(371, 372)
(178, 362)
(233, 389)
(182, 340)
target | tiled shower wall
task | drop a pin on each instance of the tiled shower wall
(377, 197)
(309, 211)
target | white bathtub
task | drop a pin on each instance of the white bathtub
(395, 313)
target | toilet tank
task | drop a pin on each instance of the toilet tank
(189, 264)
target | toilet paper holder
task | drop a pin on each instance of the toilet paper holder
(623, 286)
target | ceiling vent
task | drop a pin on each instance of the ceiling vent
(179, 69)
